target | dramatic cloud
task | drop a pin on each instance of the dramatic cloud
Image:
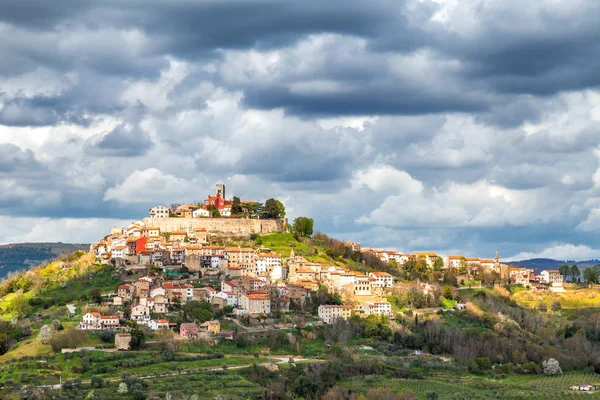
(454, 126)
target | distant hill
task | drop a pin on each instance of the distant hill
(540, 264)
(14, 257)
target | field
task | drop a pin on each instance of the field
(576, 298)
(454, 387)
(43, 369)
(283, 243)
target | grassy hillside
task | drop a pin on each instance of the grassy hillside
(57, 283)
(19, 256)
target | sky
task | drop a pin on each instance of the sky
(461, 127)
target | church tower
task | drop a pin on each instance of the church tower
(221, 190)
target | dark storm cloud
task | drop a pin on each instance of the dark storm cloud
(374, 100)
(494, 59)
(213, 89)
(13, 159)
(123, 141)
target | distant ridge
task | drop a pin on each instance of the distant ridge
(540, 264)
(17, 256)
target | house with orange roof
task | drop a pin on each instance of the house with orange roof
(156, 324)
(159, 212)
(266, 262)
(382, 279)
(213, 327)
(329, 313)
(255, 304)
(454, 261)
(97, 322)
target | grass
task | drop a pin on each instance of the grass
(28, 348)
(480, 387)
(80, 289)
(447, 303)
(282, 243)
(572, 299)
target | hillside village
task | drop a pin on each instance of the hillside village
(182, 293)
(174, 267)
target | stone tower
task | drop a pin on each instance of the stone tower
(221, 189)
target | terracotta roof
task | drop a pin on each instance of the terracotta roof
(257, 296)
(109, 317)
(271, 255)
(239, 249)
(95, 314)
(377, 273)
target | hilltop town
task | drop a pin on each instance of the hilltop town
(195, 297)
(253, 281)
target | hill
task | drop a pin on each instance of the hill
(540, 264)
(14, 257)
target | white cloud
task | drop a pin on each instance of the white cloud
(384, 178)
(562, 251)
(67, 230)
(480, 204)
(153, 186)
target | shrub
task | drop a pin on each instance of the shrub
(97, 381)
(67, 339)
(551, 367)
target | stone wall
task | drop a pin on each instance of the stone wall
(218, 226)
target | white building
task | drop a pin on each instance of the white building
(232, 298)
(375, 307)
(99, 322)
(140, 314)
(119, 252)
(200, 213)
(382, 279)
(156, 324)
(551, 276)
(255, 304)
(265, 262)
(159, 212)
(331, 312)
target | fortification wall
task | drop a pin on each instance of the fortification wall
(217, 226)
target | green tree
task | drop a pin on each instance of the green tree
(447, 292)
(137, 339)
(271, 209)
(575, 273)
(214, 211)
(96, 296)
(253, 209)
(281, 208)
(303, 226)
(198, 311)
(20, 304)
(565, 271)
(438, 264)
(236, 206)
(590, 275)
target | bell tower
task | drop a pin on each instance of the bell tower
(221, 190)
